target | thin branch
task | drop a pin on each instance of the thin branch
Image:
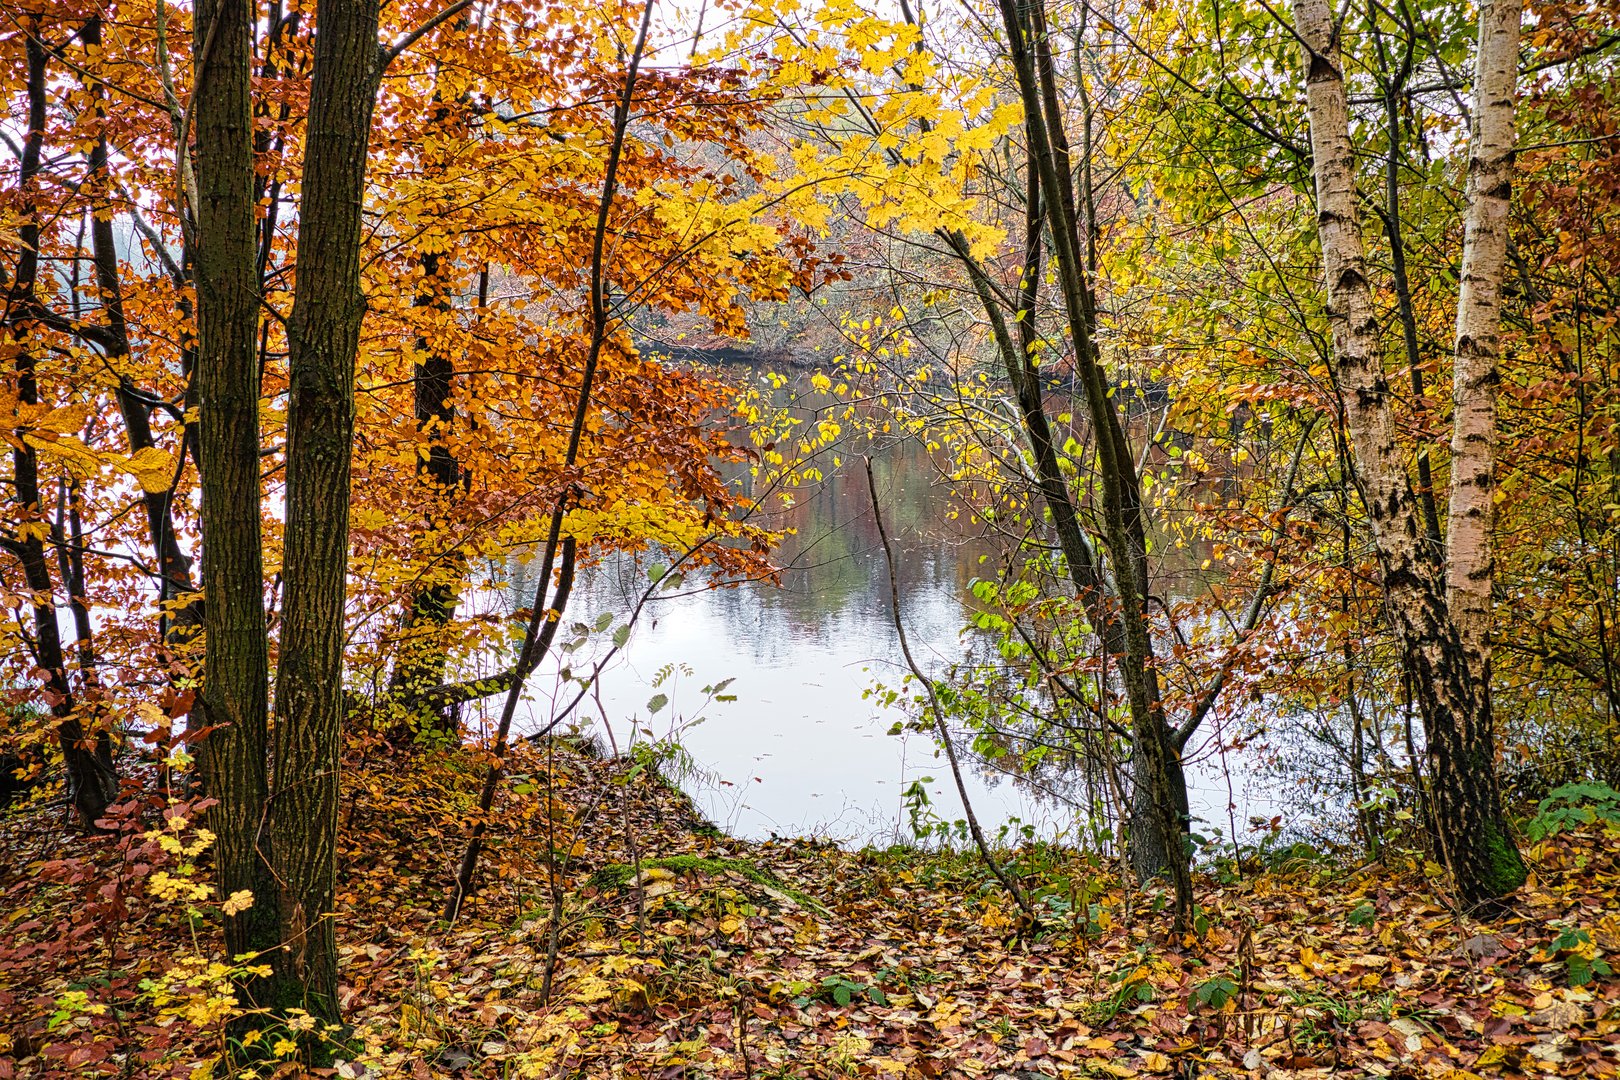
(391, 53)
(941, 729)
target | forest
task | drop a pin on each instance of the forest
(1221, 399)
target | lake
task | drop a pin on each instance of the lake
(801, 751)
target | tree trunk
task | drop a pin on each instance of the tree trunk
(420, 665)
(174, 568)
(91, 780)
(1403, 303)
(1124, 533)
(323, 338)
(67, 536)
(1470, 550)
(1158, 782)
(233, 704)
(1477, 846)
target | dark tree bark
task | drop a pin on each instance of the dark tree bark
(91, 780)
(231, 712)
(1158, 822)
(174, 567)
(323, 339)
(1157, 842)
(420, 665)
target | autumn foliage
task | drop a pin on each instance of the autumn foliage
(1182, 306)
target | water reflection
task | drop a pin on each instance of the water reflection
(802, 750)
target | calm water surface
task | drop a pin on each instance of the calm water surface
(802, 751)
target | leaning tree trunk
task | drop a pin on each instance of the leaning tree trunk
(174, 567)
(1456, 708)
(1470, 551)
(1162, 825)
(231, 711)
(323, 338)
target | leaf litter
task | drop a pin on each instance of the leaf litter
(676, 951)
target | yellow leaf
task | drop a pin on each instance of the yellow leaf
(64, 421)
(1156, 1062)
(152, 468)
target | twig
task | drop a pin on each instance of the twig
(388, 54)
(940, 727)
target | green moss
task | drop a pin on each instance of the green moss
(619, 875)
(1503, 867)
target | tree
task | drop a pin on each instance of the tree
(1476, 843)
(1159, 818)
(87, 755)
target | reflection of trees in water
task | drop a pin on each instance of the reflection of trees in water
(832, 575)
(833, 588)
(1006, 711)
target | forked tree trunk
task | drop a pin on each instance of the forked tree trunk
(231, 710)
(1158, 823)
(323, 340)
(1477, 846)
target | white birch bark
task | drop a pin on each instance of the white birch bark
(1470, 551)
(1380, 465)
(1475, 841)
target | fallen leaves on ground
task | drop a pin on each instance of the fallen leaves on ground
(680, 952)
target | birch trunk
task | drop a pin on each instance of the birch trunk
(1456, 708)
(1470, 551)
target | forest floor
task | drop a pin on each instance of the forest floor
(684, 953)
